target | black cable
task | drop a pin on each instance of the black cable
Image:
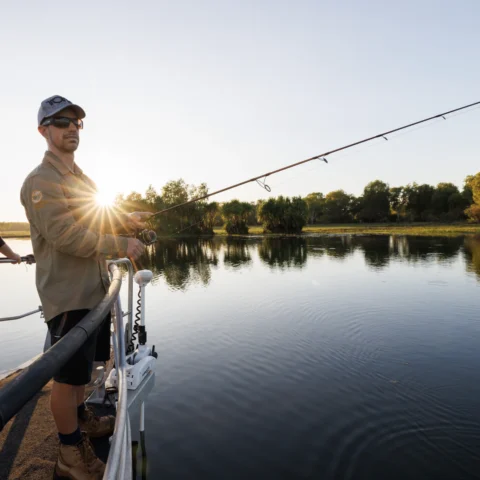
(136, 323)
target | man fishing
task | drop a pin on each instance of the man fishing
(71, 237)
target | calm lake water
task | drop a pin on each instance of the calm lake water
(313, 357)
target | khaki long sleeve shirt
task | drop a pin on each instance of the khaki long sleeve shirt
(71, 236)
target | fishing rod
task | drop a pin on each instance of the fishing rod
(261, 178)
(28, 259)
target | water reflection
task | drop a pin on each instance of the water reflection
(336, 247)
(283, 252)
(181, 262)
(184, 262)
(377, 251)
(472, 254)
(429, 248)
(237, 252)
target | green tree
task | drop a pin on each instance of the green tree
(195, 218)
(441, 203)
(472, 182)
(473, 213)
(338, 207)
(175, 192)
(211, 212)
(283, 214)
(398, 201)
(471, 193)
(467, 193)
(419, 201)
(375, 202)
(315, 203)
(235, 214)
(151, 195)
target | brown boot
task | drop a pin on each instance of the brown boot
(96, 426)
(78, 462)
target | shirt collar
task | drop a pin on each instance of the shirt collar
(53, 160)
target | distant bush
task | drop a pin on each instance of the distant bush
(283, 215)
(235, 214)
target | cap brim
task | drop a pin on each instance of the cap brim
(78, 110)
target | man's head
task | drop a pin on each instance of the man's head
(59, 121)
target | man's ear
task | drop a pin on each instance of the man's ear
(43, 131)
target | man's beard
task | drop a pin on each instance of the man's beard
(66, 146)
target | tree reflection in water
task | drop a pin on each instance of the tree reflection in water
(184, 261)
(282, 252)
(236, 253)
(472, 254)
(187, 261)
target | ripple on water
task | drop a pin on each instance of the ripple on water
(397, 432)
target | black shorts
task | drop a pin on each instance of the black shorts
(78, 370)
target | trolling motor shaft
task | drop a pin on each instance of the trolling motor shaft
(140, 362)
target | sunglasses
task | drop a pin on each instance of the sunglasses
(63, 122)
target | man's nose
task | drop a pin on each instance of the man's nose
(72, 127)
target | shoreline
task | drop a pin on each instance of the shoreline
(14, 234)
(421, 229)
(418, 229)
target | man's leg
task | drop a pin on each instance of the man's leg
(76, 458)
(80, 393)
(88, 421)
(63, 403)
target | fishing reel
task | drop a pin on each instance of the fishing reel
(147, 237)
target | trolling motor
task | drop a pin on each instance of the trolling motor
(140, 362)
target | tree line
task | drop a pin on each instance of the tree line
(378, 203)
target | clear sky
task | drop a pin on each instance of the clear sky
(220, 91)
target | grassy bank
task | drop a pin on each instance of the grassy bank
(425, 229)
(15, 234)
(14, 229)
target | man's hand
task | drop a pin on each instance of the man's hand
(16, 257)
(136, 220)
(135, 248)
(30, 259)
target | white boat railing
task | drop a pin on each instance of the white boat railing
(119, 463)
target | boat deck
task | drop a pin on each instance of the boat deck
(29, 442)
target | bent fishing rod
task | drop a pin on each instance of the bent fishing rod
(261, 178)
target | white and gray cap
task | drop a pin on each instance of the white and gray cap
(55, 104)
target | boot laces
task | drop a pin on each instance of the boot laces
(86, 450)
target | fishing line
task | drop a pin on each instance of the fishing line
(261, 179)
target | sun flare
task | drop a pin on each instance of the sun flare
(105, 198)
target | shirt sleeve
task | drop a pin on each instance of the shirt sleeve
(47, 208)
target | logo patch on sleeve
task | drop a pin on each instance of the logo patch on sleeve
(37, 196)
